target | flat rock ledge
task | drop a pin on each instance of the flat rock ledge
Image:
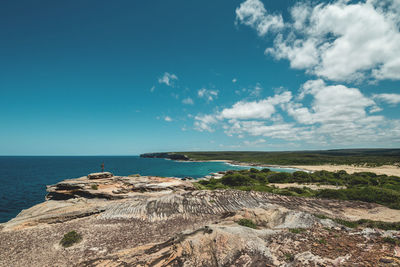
(154, 221)
(100, 175)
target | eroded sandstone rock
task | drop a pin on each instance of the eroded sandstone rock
(100, 175)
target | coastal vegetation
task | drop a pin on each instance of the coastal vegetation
(367, 157)
(70, 239)
(362, 186)
(247, 223)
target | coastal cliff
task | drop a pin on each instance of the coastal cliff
(153, 221)
(168, 155)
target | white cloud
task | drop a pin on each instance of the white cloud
(255, 142)
(392, 99)
(152, 89)
(340, 41)
(168, 79)
(167, 118)
(188, 101)
(204, 122)
(332, 104)
(252, 13)
(336, 115)
(234, 80)
(256, 90)
(262, 109)
(209, 95)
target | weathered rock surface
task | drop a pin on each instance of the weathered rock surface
(153, 221)
(100, 175)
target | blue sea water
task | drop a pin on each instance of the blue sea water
(23, 179)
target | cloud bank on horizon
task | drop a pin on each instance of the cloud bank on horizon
(339, 43)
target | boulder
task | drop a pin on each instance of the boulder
(100, 175)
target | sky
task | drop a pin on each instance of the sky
(126, 77)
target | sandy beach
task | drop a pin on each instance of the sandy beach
(385, 169)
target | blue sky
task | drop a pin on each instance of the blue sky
(98, 77)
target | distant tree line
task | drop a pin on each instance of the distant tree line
(368, 157)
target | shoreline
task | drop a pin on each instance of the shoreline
(390, 170)
(248, 164)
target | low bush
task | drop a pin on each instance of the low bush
(247, 223)
(297, 230)
(70, 238)
(391, 240)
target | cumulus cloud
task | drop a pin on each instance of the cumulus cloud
(207, 94)
(167, 118)
(262, 109)
(168, 79)
(332, 104)
(243, 110)
(340, 40)
(392, 99)
(336, 114)
(234, 80)
(253, 13)
(204, 122)
(188, 101)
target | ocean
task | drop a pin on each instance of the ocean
(23, 179)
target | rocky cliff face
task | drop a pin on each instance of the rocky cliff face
(153, 221)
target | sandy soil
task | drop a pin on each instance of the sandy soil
(311, 186)
(385, 169)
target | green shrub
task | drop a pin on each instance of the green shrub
(321, 216)
(247, 223)
(350, 224)
(297, 230)
(391, 240)
(70, 238)
(331, 193)
(236, 180)
(94, 186)
(280, 177)
(289, 257)
(254, 170)
(301, 177)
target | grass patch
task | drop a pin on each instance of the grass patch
(70, 239)
(289, 257)
(349, 224)
(322, 241)
(94, 186)
(297, 230)
(247, 223)
(391, 240)
(321, 216)
(364, 223)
